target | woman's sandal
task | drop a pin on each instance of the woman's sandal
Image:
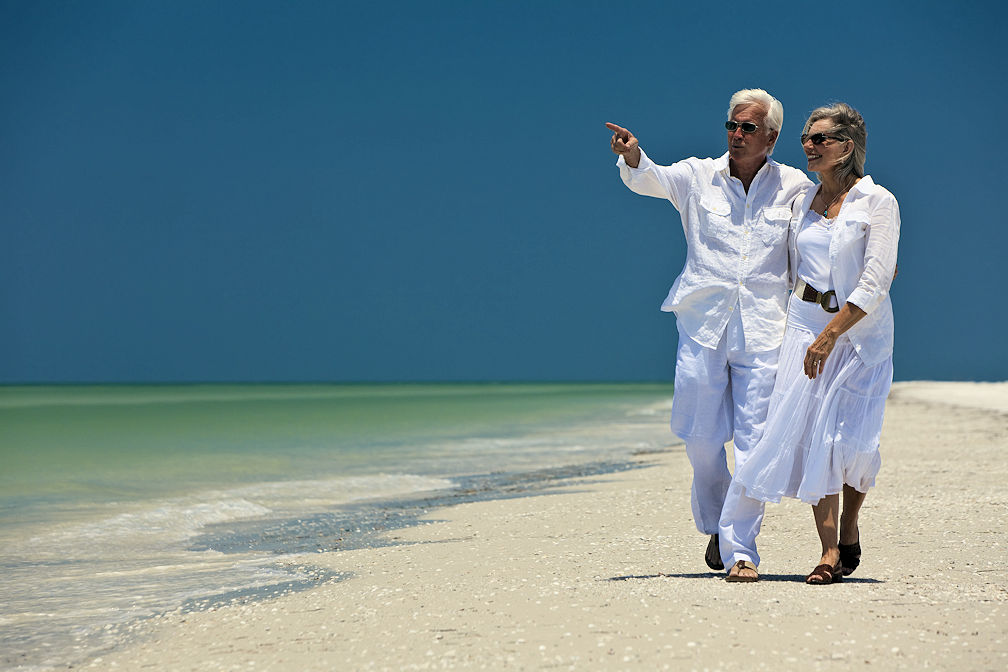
(850, 557)
(737, 577)
(824, 575)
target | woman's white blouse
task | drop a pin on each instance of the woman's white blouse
(862, 254)
(813, 241)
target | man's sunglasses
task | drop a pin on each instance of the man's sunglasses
(747, 126)
(820, 138)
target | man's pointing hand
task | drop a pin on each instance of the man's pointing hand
(623, 142)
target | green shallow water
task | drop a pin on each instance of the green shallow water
(61, 443)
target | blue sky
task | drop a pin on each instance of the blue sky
(397, 191)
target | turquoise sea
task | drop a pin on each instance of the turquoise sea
(118, 503)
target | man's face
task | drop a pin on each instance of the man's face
(747, 147)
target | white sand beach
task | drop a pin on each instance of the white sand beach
(607, 573)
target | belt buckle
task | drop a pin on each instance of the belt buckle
(824, 301)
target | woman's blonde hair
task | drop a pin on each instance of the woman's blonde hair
(849, 125)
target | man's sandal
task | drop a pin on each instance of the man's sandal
(738, 577)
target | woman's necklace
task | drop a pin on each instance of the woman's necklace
(826, 211)
(833, 200)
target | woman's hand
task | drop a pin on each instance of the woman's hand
(815, 356)
(822, 346)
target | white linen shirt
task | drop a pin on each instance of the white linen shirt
(862, 257)
(736, 244)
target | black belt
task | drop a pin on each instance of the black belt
(807, 292)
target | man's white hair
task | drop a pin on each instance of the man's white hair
(775, 111)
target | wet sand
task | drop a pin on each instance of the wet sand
(607, 572)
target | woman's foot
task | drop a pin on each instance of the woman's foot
(713, 555)
(850, 557)
(850, 536)
(742, 571)
(824, 574)
(829, 570)
(850, 546)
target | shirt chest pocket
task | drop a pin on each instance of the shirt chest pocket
(855, 226)
(715, 216)
(773, 225)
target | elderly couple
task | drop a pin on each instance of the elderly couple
(800, 383)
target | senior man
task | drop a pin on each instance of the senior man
(730, 299)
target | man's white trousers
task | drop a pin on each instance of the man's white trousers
(720, 394)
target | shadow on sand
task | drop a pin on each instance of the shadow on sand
(799, 578)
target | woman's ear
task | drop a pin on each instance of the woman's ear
(848, 150)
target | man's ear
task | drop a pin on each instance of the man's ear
(773, 137)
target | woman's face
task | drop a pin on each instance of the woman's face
(823, 150)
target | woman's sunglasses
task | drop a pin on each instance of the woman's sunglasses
(747, 126)
(819, 138)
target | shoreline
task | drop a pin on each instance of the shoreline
(81, 572)
(286, 548)
(606, 571)
(372, 520)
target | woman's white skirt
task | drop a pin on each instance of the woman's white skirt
(819, 433)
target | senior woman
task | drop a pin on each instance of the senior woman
(821, 436)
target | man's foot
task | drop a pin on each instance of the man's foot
(713, 555)
(743, 571)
